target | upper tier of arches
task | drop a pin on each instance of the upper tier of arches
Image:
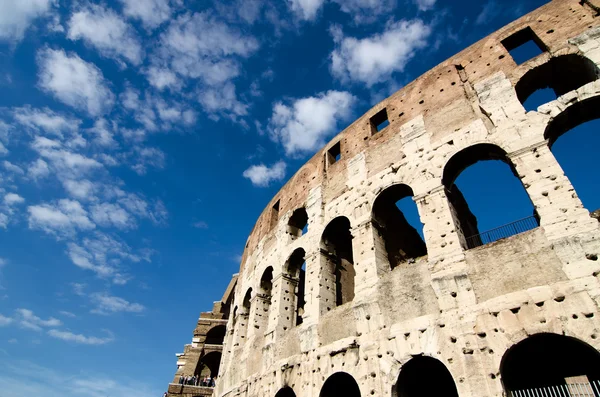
(443, 97)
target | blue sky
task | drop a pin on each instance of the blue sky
(140, 140)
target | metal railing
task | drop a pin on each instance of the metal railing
(591, 389)
(516, 227)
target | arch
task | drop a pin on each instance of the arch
(266, 281)
(336, 251)
(424, 376)
(298, 223)
(396, 237)
(247, 298)
(296, 269)
(573, 116)
(547, 359)
(465, 221)
(560, 74)
(209, 365)
(340, 384)
(216, 335)
(285, 392)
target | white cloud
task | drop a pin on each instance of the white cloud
(13, 198)
(368, 10)
(306, 9)
(152, 13)
(105, 30)
(200, 225)
(425, 5)
(262, 176)
(3, 149)
(4, 321)
(374, 59)
(67, 314)
(67, 164)
(81, 189)
(107, 304)
(490, 11)
(27, 319)
(17, 15)
(74, 81)
(107, 214)
(79, 338)
(303, 126)
(13, 168)
(46, 120)
(223, 100)
(162, 78)
(62, 218)
(103, 134)
(146, 157)
(38, 169)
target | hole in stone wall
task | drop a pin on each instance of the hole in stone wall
(298, 223)
(399, 228)
(274, 215)
(495, 204)
(424, 376)
(573, 138)
(379, 121)
(296, 268)
(524, 45)
(334, 154)
(336, 252)
(340, 384)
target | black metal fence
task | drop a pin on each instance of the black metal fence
(516, 227)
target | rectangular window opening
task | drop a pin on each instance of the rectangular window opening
(379, 121)
(334, 154)
(524, 45)
(274, 215)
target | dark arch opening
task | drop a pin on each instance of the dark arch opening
(424, 376)
(573, 139)
(399, 238)
(546, 359)
(286, 392)
(298, 223)
(296, 269)
(336, 246)
(246, 302)
(209, 365)
(487, 195)
(340, 384)
(266, 281)
(559, 75)
(216, 335)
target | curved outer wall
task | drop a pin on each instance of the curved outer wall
(463, 307)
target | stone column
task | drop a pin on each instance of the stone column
(439, 227)
(258, 317)
(283, 314)
(320, 286)
(554, 198)
(367, 265)
(240, 328)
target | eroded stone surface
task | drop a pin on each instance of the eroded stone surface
(464, 307)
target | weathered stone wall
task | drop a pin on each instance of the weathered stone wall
(464, 307)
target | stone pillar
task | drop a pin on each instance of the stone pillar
(258, 317)
(439, 228)
(367, 265)
(283, 305)
(240, 328)
(554, 198)
(320, 286)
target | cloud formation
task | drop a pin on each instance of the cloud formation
(152, 13)
(374, 59)
(262, 176)
(73, 81)
(69, 336)
(17, 15)
(105, 30)
(303, 125)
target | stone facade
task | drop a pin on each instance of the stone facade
(368, 305)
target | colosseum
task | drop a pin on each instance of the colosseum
(338, 295)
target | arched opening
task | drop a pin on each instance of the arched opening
(555, 78)
(336, 250)
(398, 238)
(296, 269)
(550, 361)
(215, 335)
(340, 384)
(286, 392)
(263, 299)
(244, 315)
(573, 138)
(298, 223)
(495, 204)
(424, 376)
(208, 366)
